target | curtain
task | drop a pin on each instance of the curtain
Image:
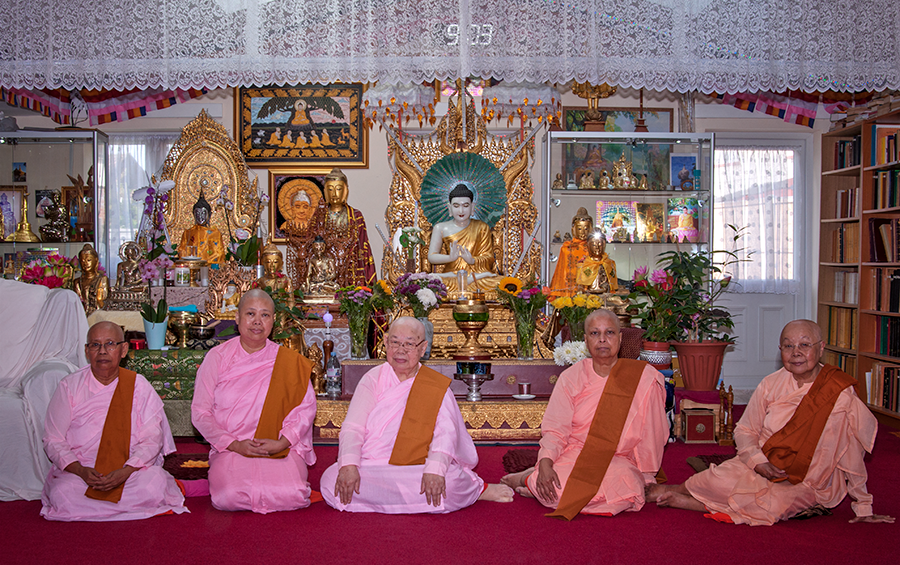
(725, 46)
(133, 159)
(756, 188)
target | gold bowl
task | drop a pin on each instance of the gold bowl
(179, 324)
(471, 316)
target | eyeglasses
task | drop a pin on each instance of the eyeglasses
(403, 346)
(96, 346)
(801, 347)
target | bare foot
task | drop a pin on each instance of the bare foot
(497, 493)
(516, 480)
(672, 499)
(653, 491)
(524, 492)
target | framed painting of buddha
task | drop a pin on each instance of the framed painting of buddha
(309, 124)
(296, 194)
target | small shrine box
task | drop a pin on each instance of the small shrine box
(699, 425)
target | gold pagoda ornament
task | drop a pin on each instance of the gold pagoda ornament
(23, 233)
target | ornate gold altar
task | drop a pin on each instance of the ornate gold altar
(205, 158)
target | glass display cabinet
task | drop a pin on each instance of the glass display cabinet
(646, 192)
(36, 164)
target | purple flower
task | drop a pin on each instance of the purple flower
(149, 200)
(658, 276)
(151, 191)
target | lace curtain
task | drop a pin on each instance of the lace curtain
(678, 45)
(757, 188)
(132, 160)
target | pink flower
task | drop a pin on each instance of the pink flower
(658, 276)
(640, 273)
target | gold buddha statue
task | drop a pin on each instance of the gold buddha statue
(571, 254)
(463, 244)
(57, 226)
(597, 275)
(273, 275)
(202, 240)
(128, 272)
(92, 286)
(321, 272)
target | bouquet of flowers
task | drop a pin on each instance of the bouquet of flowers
(422, 292)
(54, 271)
(243, 244)
(359, 302)
(574, 310)
(570, 352)
(525, 300)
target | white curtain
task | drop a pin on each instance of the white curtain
(133, 158)
(757, 188)
(677, 45)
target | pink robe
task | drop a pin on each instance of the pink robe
(567, 421)
(367, 440)
(837, 467)
(229, 393)
(75, 418)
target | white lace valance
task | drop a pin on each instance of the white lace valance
(679, 45)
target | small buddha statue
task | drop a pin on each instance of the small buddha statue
(92, 287)
(202, 240)
(604, 180)
(597, 275)
(623, 179)
(587, 181)
(558, 183)
(57, 227)
(571, 253)
(321, 271)
(273, 275)
(128, 272)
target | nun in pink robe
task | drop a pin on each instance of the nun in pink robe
(75, 418)
(367, 440)
(229, 393)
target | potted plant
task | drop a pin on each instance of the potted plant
(155, 323)
(677, 304)
(421, 293)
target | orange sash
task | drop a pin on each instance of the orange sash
(602, 439)
(792, 447)
(115, 440)
(290, 379)
(419, 417)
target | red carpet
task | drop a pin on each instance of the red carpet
(484, 533)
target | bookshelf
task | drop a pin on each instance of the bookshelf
(859, 259)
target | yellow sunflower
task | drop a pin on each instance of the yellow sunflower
(384, 286)
(511, 285)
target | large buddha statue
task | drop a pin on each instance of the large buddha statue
(92, 286)
(273, 276)
(571, 254)
(202, 240)
(338, 220)
(463, 244)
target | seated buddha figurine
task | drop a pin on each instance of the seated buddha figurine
(571, 254)
(321, 271)
(128, 272)
(597, 275)
(463, 244)
(57, 226)
(273, 275)
(92, 287)
(202, 240)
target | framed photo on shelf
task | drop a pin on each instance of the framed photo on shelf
(681, 170)
(295, 194)
(11, 207)
(308, 124)
(621, 120)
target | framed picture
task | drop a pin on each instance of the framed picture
(11, 207)
(681, 170)
(657, 120)
(314, 125)
(19, 173)
(295, 194)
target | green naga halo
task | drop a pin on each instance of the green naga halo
(477, 173)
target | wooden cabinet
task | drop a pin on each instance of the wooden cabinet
(859, 259)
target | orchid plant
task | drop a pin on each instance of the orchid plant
(244, 243)
(161, 252)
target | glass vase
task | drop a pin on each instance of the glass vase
(576, 330)
(359, 324)
(525, 337)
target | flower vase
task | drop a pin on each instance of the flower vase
(576, 330)
(156, 333)
(525, 337)
(359, 325)
(429, 336)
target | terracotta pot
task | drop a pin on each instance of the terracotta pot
(700, 363)
(657, 353)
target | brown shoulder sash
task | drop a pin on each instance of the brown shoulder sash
(290, 379)
(419, 418)
(115, 440)
(792, 447)
(602, 439)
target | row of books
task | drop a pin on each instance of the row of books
(845, 203)
(883, 383)
(845, 244)
(887, 189)
(886, 290)
(884, 144)
(842, 327)
(846, 287)
(847, 152)
(887, 336)
(842, 361)
(883, 239)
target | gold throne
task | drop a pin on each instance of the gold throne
(413, 158)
